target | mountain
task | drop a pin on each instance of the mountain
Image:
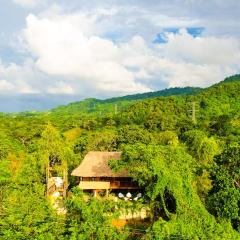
(234, 78)
(116, 104)
(222, 98)
(162, 93)
(92, 105)
(186, 164)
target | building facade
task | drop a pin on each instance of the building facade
(94, 174)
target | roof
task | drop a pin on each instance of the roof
(95, 164)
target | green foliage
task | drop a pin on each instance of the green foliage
(104, 140)
(160, 169)
(188, 170)
(93, 106)
(201, 146)
(224, 199)
(26, 214)
(133, 134)
(91, 219)
(167, 138)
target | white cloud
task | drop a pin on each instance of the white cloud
(63, 46)
(68, 45)
(74, 54)
(5, 85)
(61, 88)
(166, 21)
(29, 3)
(23, 79)
(202, 50)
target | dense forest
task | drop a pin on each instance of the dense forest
(180, 145)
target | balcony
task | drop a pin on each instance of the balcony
(94, 185)
(88, 185)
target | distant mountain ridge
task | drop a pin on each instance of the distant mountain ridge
(90, 103)
(95, 105)
(161, 93)
(234, 78)
(116, 104)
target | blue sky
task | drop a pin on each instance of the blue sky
(56, 51)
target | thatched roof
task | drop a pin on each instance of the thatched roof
(95, 164)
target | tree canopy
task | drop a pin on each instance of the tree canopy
(188, 170)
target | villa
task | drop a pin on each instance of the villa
(94, 174)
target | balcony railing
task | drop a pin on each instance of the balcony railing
(94, 185)
(88, 185)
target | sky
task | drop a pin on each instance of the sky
(53, 52)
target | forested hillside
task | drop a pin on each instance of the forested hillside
(116, 104)
(181, 146)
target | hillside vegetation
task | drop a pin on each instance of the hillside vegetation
(92, 105)
(188, 165)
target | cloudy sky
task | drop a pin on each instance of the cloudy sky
(56, 51)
